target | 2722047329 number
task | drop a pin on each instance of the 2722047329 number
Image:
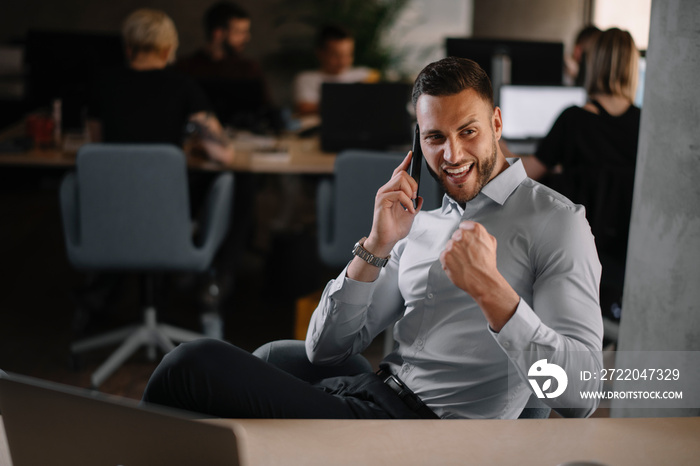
(639, 374)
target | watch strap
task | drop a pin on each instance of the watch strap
(360, 251)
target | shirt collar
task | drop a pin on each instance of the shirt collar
(498, 189)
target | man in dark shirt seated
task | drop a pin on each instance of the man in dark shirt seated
(234, 83)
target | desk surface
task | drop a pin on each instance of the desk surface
(523, 442)
(287, 154)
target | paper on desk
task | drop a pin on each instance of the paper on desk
(276, 156)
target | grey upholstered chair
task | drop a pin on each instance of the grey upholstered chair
(126, 208)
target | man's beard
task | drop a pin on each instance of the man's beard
(230, 51)
(484, 170)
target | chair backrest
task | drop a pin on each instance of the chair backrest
(346, 202)
(127, 207)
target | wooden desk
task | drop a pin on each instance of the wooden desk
(287, 154)
(4, 451)
(294, 155)
(522, 442)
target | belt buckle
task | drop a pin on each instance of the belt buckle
(395, 384)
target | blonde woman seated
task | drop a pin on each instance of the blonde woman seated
(607, 127)
(148, 102)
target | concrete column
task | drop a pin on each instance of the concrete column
(661, 304)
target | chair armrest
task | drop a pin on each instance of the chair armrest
(218, 210)
(324, 216)
(68, 199)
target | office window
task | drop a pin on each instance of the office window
(632, 15)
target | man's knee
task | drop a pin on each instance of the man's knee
(188, 361)
(193, 355)
(278, 351)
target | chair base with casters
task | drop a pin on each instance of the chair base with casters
(150, 334)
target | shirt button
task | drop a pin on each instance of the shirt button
(506, 344)
(430, 296)
(419, 342)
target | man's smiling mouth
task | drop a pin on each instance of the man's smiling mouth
(459, 174)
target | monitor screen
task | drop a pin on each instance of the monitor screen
(529, 112)
(531, 63)
(641, 78)
(238, 103)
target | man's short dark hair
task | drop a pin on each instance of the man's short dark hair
(331, 32)
(451, 76)
(219, 14)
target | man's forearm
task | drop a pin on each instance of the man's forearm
(361, 271)
(499, 303)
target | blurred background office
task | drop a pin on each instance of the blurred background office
(397, 38)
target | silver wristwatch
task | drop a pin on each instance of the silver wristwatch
(367, 256)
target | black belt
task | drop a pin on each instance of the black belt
(406, 395)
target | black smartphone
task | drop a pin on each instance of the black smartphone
(416, 160)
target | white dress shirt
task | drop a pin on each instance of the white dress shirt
(447, 354)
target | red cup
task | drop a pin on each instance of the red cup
(40, 128)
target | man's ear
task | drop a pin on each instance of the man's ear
(497, 122)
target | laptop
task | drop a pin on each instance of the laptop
(240, 103)
(48, 423)
(530, 111)
(365, 116)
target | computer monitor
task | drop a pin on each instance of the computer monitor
(641, 80)
(238, 102)
(365, 116)
(531, 62)
(62, 65)
(529, 112)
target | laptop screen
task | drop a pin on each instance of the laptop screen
(530, 111)
(48, 423)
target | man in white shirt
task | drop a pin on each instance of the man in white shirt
(478, 333)
(335, 49)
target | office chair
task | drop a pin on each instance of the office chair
(126, 208)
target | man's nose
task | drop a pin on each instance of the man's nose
(451, 152)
